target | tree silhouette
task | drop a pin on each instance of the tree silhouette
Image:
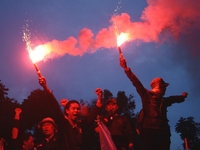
(34, 109)
(7, 106)
(3, 91)
(189, 129)
(127, 107)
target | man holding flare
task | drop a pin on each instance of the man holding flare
(154, 130)
(70, 124)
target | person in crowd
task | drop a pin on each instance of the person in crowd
(118, 125)
(69, 122)
(49, 129)
(155, 130)
(26, 140)
(2, 143)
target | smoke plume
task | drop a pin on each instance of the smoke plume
(160, 18)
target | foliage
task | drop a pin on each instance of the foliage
(189, 129)
(126, 107)
(7, 106)
(34, 109)
(3, 91)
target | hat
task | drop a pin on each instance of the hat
(45, 120)
(113, 100)
(158, 81)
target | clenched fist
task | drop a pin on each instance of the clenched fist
(18, 111)
(99, 91)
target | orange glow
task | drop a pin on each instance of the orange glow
(38, 53)
(123, 37)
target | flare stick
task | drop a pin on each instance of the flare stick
(37, 70)
(186, 143)
(120, 51)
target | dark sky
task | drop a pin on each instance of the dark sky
(164, 42)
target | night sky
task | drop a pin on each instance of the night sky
(164, 42)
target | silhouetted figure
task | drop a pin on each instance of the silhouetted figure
(49, 129)
(71, 124)
(24, 141)
(118, 126)
(155, 131)
(2, 143)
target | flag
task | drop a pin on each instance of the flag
(106, 141)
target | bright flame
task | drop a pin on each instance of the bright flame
(123, 37)
(38, 53)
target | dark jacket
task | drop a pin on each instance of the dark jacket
(154, 107)
(50, 144)
(70, 137)
(120, 130)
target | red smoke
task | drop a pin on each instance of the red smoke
(175, 16)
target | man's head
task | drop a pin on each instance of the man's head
(158, 85)
(84, 110)
(73, 110)
(27, 141)
(48, 126)
(111, 106)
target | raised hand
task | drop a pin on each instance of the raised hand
(64, 102)
(18, 111)
(123, 62)
(98, 91)
(184, 94)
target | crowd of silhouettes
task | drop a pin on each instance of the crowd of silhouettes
(67, 130)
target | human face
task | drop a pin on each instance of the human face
(160, 89)
(29, 144)
(48, 129)
(73, 112)
(111, 107)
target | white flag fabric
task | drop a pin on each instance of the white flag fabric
(106, 141)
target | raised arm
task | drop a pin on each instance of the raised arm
(132, 77)
(43, 83)
(15, 129)
(96, 109)
(99, 94)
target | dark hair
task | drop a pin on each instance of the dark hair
(67, 106)
(70, 102)
(25, 137)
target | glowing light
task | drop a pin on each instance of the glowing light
(38, 53)
(123, 37)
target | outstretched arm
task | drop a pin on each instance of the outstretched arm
(176, 99)
(132, 77)
(184, 94)
(15, 129)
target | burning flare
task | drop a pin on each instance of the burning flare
(38, 53)
(123, 37)
(35, 55)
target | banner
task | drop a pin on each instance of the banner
(106, 141)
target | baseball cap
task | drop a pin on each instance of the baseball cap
(158, 81)
(45, 120)
(113, 100)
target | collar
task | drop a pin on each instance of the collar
(49, 138)
(74, 125)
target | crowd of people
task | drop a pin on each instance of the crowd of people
(64, 131)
